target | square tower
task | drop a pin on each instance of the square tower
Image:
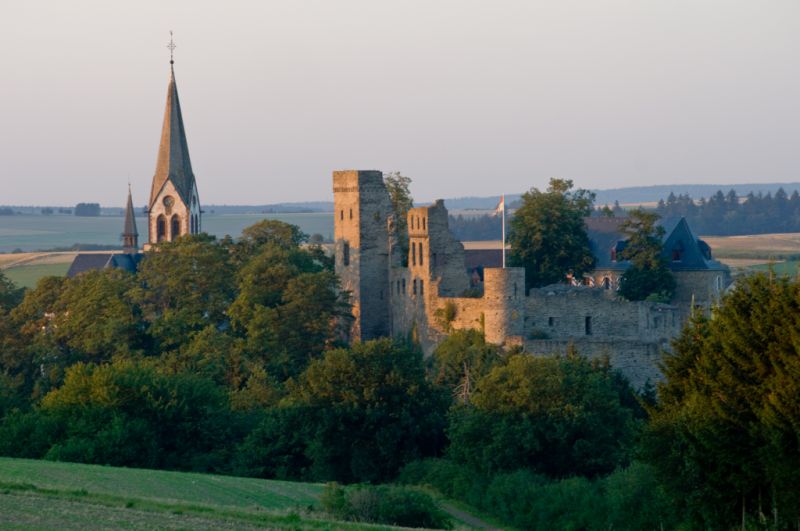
(361, 212)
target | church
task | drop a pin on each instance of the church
(174, 206)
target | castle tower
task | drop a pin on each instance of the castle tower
(174, 208)
(361, 210)
(130, 236)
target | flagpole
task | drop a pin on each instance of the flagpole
(503, 200)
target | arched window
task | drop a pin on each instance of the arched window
(346, 254)
(420, 253)
(161, 228)
(351, 213)
(414, 289)
(423, 223)
(421, 287)
(176, 227)
(413, 254)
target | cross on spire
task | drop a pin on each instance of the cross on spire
(171, 47)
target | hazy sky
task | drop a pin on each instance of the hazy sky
(466, 97)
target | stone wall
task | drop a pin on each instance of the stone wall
(637, 360)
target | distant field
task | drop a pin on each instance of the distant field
(29, 232)
(26, 276)
(42, 494)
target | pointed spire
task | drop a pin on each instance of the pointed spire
(130, 236)
(173, 162)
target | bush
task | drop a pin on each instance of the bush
(383, 504)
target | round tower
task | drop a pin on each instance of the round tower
(504, 304)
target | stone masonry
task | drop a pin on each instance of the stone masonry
(432, 295)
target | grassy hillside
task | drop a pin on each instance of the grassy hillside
(43, 494)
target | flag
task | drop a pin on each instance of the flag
(501, 206)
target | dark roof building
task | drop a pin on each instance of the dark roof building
(95, 261)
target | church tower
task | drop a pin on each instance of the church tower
(174, 208)
(130, 236)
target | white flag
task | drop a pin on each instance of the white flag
(501, 206)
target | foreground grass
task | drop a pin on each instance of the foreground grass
(43, 494)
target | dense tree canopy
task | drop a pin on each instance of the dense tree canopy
(725, 435)
(548, 234)
(558, 416)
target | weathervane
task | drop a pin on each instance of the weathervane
(171, 47)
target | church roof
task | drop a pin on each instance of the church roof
(173, 162)
(129, 228)
(84, 262)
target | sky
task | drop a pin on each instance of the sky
(468, 98)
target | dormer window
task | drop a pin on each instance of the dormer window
(677, 253)
(613, 255)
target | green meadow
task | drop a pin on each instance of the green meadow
(44, 494)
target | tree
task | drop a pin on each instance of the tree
(559, 416)
(548, 234)
(362, 413)
(724, 434)
(10, 294)
(185, 286)
(461, 360)
(648, 274)
(398, 188)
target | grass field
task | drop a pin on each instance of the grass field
(43, 494)
(27, 276)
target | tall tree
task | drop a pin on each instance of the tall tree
(648, 274)
(725, 434)
(548, 234)
(400, 194)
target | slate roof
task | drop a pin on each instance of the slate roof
(84, 262)
(695, 254)
(129, 228)
(173, 162)
(605, 235)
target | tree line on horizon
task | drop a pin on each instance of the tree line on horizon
(722, 214)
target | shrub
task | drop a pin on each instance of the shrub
(384, 504)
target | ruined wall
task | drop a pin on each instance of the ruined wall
(637, 360)
(361, 210)
(573, 312)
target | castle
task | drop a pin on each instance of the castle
(431, 295)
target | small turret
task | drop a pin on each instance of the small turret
(130, 236)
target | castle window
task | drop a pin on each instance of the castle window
(413, 254)
(420, 253)
(346, 254)
(550, 321)
(176, 227)
(341, 215)
(161, 228)
(587, 325)
(421, 287)
(351, 213)
(414, 288)
(423, 223)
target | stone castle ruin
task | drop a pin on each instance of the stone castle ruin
(433, 294)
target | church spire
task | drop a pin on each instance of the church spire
(130, 236)
(173, 162)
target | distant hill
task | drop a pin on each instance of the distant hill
(632, 194)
